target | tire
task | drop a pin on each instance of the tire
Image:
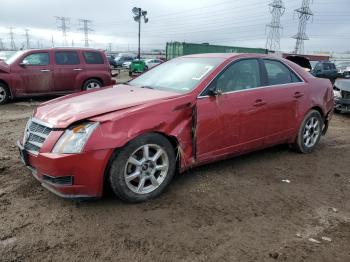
(337, 111)
(133, 174)
(130, 73)
(309, 133)
(92, 84)
(4, 94)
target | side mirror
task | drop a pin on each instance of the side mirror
(214, 92)
(24, 63)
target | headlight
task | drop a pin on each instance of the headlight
(73, 139)
(337, 93)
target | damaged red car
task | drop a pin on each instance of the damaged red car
(186, 112)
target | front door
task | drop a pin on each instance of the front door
(35, 72)
(235, 119)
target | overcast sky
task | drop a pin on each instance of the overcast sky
(230, 22)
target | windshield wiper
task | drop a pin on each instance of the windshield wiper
(149, 87)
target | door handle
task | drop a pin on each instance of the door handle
(298, 94)
(78, 69)
(45, 70)
(259, 102)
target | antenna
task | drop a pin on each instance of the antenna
(63, 25)
(304, 14)
(86, 29)
(277, 9)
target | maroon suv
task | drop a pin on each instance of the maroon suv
(53, 71)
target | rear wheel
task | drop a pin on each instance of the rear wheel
(310, 132)
(143, 168)
(4, 94)
(92, 84)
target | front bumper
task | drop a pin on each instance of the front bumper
(342, 104)
(69, 175)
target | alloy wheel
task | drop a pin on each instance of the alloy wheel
(312, 131)
(2, 94)
(92, 85)
(146, 169)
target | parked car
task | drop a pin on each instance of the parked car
(137, 67)
(122, 58)
(152, 62)
(54, 71)
(126, 65)
(344, 69)
(112, 62)
(186, 112)
(342, 95)
(325, 69)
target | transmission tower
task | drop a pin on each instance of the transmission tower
(12, 39)
(86, 29)
(304, 14)
(27, 38)
(52, 42)
(274, 28)
(63, 26)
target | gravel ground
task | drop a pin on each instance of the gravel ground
(234, 210)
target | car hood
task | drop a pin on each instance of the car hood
(63, 111)
(343, 84)
(4, 68)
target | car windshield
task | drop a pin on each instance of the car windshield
(13, 57)
(179, 75)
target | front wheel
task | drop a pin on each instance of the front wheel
(310, 132)
(143, 168)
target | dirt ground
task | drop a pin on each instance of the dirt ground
(234, 210)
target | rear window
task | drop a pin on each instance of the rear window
(326, 66)
(66, 58)
(93, 58)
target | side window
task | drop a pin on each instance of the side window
(37, 59)
(279, 74)
(244, 74)
(326, 66)
(93, 58)
(67, 58)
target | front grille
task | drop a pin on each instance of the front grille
(35, 135)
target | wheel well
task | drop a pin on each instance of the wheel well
(317, 108)
(94, 78)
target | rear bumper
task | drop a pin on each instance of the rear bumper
(72, 175)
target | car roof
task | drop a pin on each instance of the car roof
(63, 49)
(231, 55)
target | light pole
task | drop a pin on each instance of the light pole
(138, 14)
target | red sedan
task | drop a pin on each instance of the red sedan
(186, 112)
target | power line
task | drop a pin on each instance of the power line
(86, 29)
(63, 26)
(304, 14)
(277, 9)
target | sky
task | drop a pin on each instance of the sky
(230, 22)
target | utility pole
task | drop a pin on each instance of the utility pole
(52, 42)
(274, 28)
(138, 14)
(72, 43)
(110, 47)
(86, 29)
(63, 26)
(12, 39)
(1, 45)
(27, 38)
(304, 14)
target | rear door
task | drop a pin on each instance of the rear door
(67, 69)
(286, 91)
(236, 119)
(35, 70)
